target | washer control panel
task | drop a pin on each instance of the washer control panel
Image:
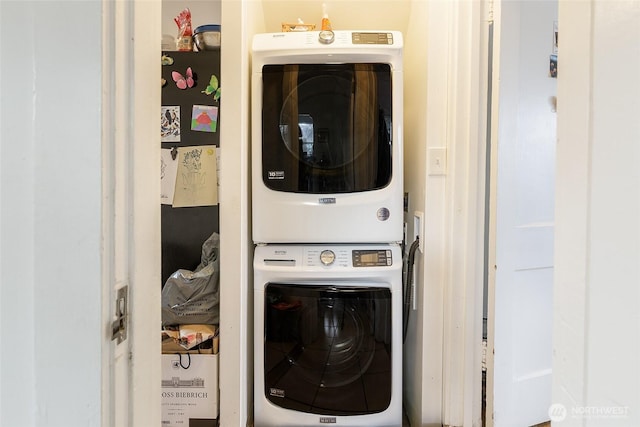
(343, 257)
(326, 257)
(371, 257)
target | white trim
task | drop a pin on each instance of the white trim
(144, 286)
(573, 205)
(465, 206)
(491, 231)
(236, 249)
(130, 211)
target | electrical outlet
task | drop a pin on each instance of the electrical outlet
(418, 229)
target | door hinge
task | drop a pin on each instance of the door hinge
(119, 326)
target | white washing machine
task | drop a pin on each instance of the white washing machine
(327, 161)
(327, 339)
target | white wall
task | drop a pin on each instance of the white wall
(50, 213)
(596, 328)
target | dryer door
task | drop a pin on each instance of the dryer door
(328, 348)
(326, 128)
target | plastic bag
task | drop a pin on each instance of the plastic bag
(194, 296)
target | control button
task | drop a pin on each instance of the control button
(326, 37)
(327, 257)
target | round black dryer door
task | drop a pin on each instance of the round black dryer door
(326, 128)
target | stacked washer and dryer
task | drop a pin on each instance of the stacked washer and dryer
(327, 213)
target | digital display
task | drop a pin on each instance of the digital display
(372, 38)
(369, 258)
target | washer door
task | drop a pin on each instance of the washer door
(328, 348)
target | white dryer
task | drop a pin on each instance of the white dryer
(327, 339)
(327, 137)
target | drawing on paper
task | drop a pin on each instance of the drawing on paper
(170, 124)
(204, 118)
(196, 183)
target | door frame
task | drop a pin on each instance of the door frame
(131, 210)
(490, 218)
(464, 240)
(131, 44)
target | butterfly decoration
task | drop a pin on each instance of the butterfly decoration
(213, 88)
(183, 82)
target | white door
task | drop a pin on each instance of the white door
(523, 214)
(131, 212)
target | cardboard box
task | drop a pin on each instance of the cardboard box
(171, 346)
(184, 339)
(189, 389)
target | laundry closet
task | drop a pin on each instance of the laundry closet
(238, 308)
